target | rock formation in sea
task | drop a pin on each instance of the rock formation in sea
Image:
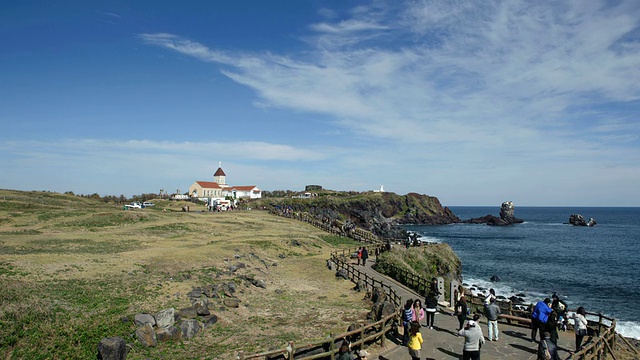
(507, 217)
(578, 220)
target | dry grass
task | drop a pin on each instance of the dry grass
(71, 269)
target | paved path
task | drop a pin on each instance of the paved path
(442, 342)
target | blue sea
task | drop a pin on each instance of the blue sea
(596, 267)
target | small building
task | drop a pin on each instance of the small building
(219, 189)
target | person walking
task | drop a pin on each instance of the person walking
(547, 350)
(407, 315)
(579, 325)
(539, 317)
(365, 256)
(473, 341)
(359, 255)
(461, 311)
(552, 326)
(415, 341)
(491, 311)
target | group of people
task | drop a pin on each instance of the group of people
(412, 316)
(549, 315)
(363, 255)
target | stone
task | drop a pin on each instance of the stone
(578, 220)
(143, 319)
(343, 274)
(260, 284)
(188, 312)
(495, 278)
(190, 328)
(202, 310)
(209, 320)
(170, 333)
(146, 336)
(231, 302)
(165, 318)
(113, 348)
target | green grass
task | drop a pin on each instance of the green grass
(339, 241)
(71, 246)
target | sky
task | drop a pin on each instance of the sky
(473, 102)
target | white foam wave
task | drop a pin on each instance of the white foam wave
(628, 329)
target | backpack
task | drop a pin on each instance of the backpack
(546, 354)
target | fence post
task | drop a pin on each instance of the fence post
(292, 350)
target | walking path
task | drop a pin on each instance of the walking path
(442, 342)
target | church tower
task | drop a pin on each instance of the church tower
(220, 176)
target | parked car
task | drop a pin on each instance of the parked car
(134, 205)
(148, 203)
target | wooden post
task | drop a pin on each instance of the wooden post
(332, 347)
(293, 350)
(241, 355)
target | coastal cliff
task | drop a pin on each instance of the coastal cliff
(380, 213)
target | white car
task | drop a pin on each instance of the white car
(147, 204)
(134, 205)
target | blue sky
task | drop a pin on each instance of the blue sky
(475, 103)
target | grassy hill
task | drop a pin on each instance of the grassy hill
(75, 270)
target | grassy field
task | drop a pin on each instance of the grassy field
(74, 271)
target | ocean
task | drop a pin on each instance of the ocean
(596, 267)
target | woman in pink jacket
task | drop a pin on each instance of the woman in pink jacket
(418, 311)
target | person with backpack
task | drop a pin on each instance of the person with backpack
(547, 350)
(539, 317)
(365, 255)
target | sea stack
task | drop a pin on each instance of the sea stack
(507, 217)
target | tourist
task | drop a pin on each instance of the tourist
(552, 326)
(363, 355)
(579, 325)
(359, 254)
(415, 341)
(461, 311)
(491, 311)
(491, 296)
(561, 308)
(473, 341)
(345, 351)
(418, 311)
(407, 315)
(365, 256)
(547, 350)
(539, 317)
(431, 303)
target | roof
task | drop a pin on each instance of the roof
(208, 184)
(244, 188)
(219, 172)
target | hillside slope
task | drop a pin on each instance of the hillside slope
(379, 213)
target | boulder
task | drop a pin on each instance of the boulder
(343, 274)
(190, 328)
(495, 278)
(210, 320)
(170, 333)
(143, 319)
(165, 318)
(146, 336)
(188, 312)
(113, 348)
(260, 283)
(231, 302)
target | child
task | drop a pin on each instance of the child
(415, 341)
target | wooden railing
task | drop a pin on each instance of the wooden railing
(369, 333)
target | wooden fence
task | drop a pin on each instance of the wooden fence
(369, 333)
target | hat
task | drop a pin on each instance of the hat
(471, 323)
(363, 353)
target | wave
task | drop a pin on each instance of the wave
(630, 329)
